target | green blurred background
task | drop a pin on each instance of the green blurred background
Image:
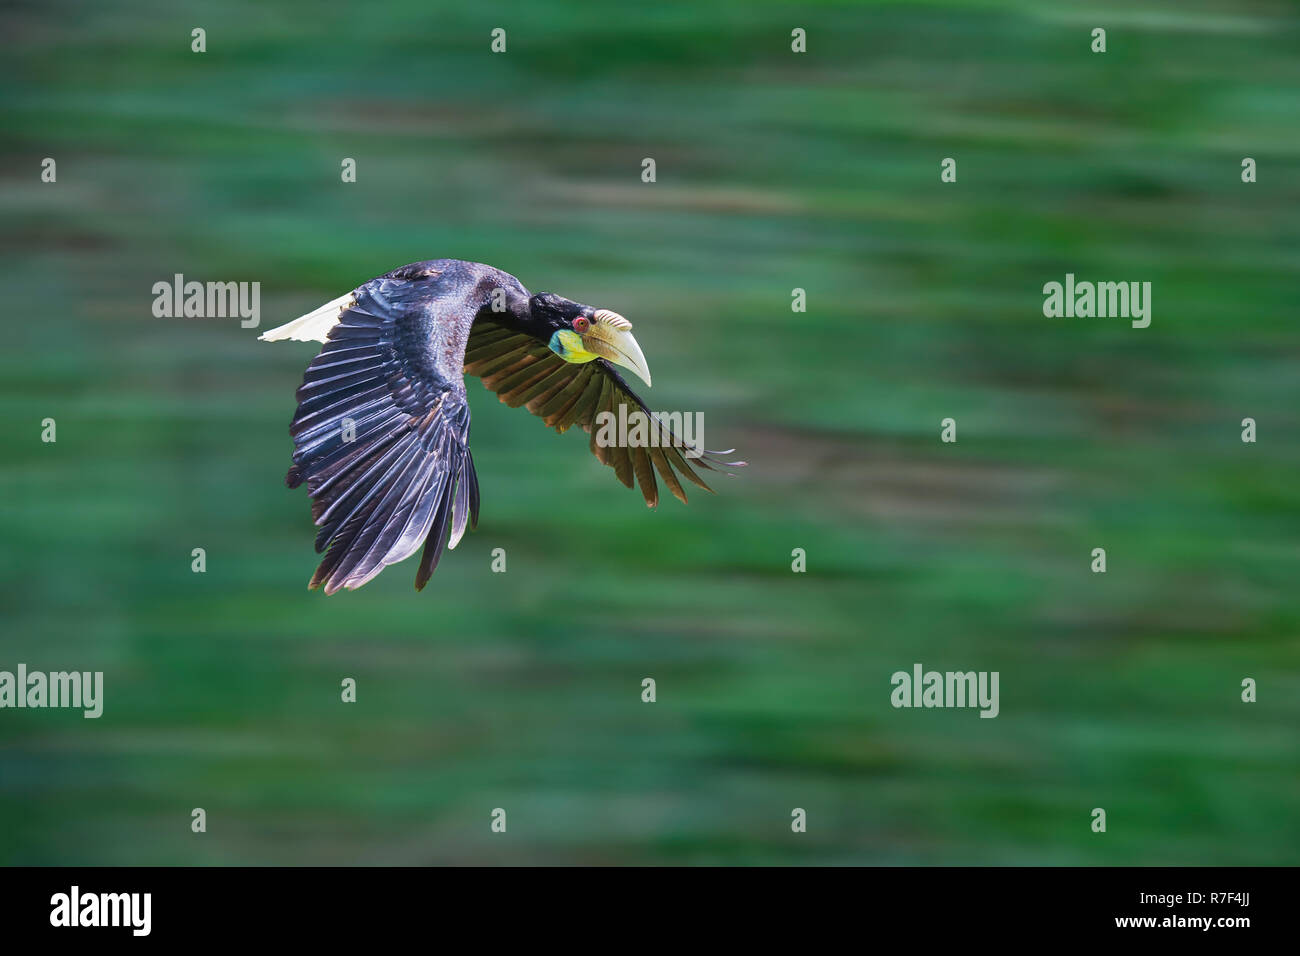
(775, 171)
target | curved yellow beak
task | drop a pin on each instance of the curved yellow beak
(610, 337)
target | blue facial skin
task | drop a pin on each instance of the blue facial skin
(556, 346)
(568, 346)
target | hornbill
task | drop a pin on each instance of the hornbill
(381, 434)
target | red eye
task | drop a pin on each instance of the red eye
(580, 324)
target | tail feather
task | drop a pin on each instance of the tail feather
(314, 326)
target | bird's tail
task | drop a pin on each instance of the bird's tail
(314, 326)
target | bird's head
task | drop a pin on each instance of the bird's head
(578, 333)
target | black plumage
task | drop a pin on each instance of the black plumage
(381, 433)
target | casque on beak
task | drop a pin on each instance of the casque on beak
(610, 336)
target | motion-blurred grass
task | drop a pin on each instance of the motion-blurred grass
(775, 171)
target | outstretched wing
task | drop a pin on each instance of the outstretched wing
(523, 371)
(381, 434)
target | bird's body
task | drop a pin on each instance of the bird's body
(381, 434)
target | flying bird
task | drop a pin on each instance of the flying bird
(381, 434)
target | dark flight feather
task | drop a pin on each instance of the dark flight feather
(381, 433)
